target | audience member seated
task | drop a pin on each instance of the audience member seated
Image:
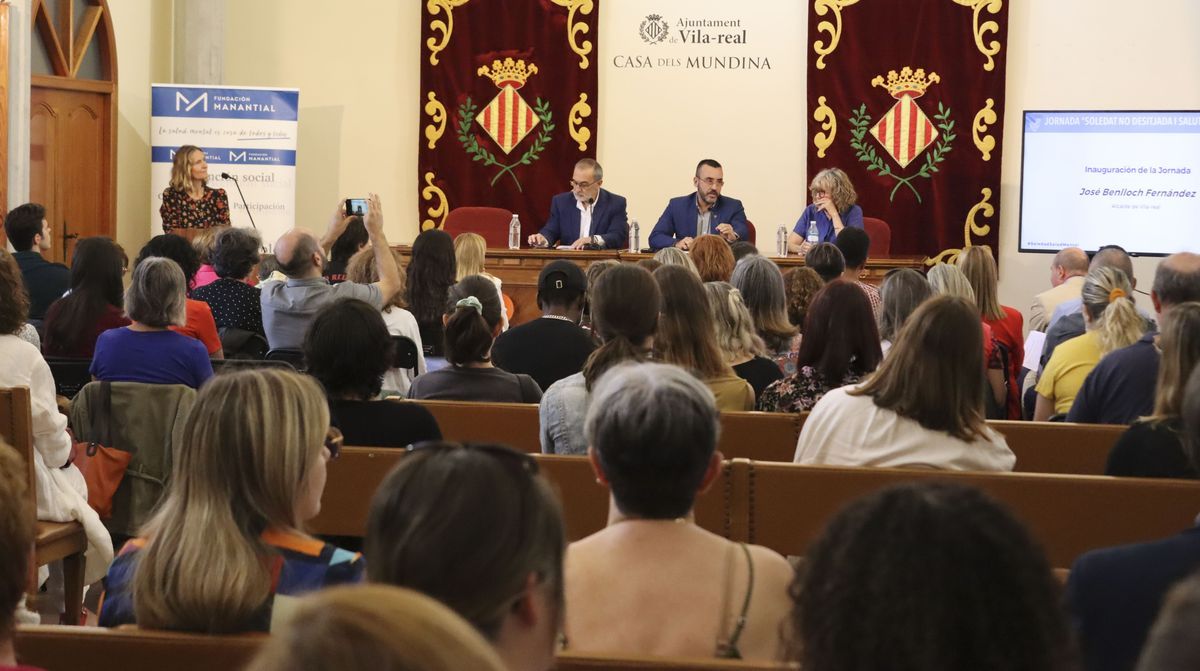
(650, 264)
(470, 255)
(625, 329)
(1007, 324)
(268, 265)
(61, 490)
(1114, 593)
(897, 571)
(199, 322)
(1172, 642)
(397, 318)
(147, 350)
(827, 260)
(471, 323)
(241, 490)
(713, 258)
(947, 280)
(594, 270)
(761, 284)
(553, 346)
(1112, 322)
(923, 408)
(674, 256)
(203, 244)
(431, 273)
(902, 291)
(800, 285)
(1121, 387)
(95, 304)
(1151, 448)
(288, 307)
(374, 628)
(16, 546)
(840, 347)
(352, 238)
(235, 303)
(854, 244)
(653, 582)
(479, 530)
(29, 234)
(1067, 269)
(687, 338)
(742, 249)
(742, 347)
(348, 349)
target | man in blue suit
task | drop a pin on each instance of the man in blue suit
(585, 215)
(706, 211)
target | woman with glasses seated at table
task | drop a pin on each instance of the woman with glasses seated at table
(653, 582)
(226, 543)
(478, 529)
(833, 208)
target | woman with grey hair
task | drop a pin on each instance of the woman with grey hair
(652, 557)
(147, 350)
(761, 284)
(235, 302)
(902, 291)
(674, 256)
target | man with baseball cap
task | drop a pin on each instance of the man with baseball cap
(553, 346)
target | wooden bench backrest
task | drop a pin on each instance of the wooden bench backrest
(572, 662)
(1058, 447)
(350, 482)
(16, 429)
(60, 648)
(1069, 515)
(512, 424)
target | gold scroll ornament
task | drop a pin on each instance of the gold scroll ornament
(439, 209)
(575, 127)
(821, 8)
(824, 114)
(446, 28)
(574, 29)
(985, 118)
(981, 29)
(969, 229)
(437, 116)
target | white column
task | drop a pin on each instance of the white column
(19, 63)
(199, 41)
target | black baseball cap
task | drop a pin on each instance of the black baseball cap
(562, 276)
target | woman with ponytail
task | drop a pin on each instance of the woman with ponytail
(625, 329)
(1112, 322)
(470, 325)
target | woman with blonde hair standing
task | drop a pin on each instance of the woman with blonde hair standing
(189, 205)
(1007, 324)
(226, 541)
(1111, 321)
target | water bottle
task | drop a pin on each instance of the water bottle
(635, 236)
(781, 237)
(514, 233)
(813, 237)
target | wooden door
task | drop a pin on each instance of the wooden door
(72, 134)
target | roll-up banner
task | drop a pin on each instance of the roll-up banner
(247, 132)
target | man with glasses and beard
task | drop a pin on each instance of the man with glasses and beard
(706, 211)
(585, 216)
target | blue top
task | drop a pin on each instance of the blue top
(609, 220)
(678, 220)
(1121, 387)
(156, 357)
(851, 218)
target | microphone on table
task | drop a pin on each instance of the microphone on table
(241, 195)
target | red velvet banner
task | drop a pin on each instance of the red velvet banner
(907, 96)
(508, 100)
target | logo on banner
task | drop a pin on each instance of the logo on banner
(905, 132)
(654, 29)
(508, 120)
(183, 104)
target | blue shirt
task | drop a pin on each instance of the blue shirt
(155, 357)
(851, 217)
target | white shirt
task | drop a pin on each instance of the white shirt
(585, 216)
(401, 322)
(845, 430)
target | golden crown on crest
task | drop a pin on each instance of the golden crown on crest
(912, 83)
(510, 72)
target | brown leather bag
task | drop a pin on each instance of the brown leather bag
(103, 467)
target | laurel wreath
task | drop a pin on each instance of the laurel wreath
(466, 117)
(860, 121)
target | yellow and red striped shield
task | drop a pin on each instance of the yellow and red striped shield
(507, 119)
(905, 131)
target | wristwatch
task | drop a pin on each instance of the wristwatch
(597, 240)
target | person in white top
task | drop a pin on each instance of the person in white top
(923, 407)
(399, 321)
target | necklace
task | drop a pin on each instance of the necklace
(560, 318)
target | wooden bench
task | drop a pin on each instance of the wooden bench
(55, 648)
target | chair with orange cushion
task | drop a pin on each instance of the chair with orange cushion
(490, 222)
(881, 236)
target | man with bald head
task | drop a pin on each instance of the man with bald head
(289, 307)
(1121, 387)
(1067, 270)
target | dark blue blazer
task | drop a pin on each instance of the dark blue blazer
(608, 220)
(1114, 595)
(678, 221)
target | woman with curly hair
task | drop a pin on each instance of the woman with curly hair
(234, 302)
(800, 285)
(833, 208)
(431, 273)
